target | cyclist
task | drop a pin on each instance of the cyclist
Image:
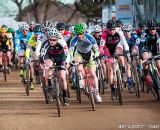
(42, 38)
(150, 45)
(133, 41)
(97, 35)
(112, 42)
(30, 51)
(21, 42)
(32, 26)
(6, 44)
(84, 47)
(56, 52)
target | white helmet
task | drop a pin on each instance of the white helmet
(53, 32)
(71, 29)
(127, 27)
(24, 26)
(97, 28)
(47, 25)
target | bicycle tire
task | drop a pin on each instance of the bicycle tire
(44, 90)
(155, 84)
(27, 86)
(5, 73)
(56, 83)
(101, 82)
(91, 96)
(137, 83)
(119, 88)
(78, 90)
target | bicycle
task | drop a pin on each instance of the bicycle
(118, 83)
(155, 76)
(136, 74)
(89, 89)
(55, 91)
(100, 75)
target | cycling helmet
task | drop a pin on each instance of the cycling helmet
(111, 24)
(79, 28)
(32, 23)
(127, 27)
(24, 26)
(71, 29)
(10, 30)
(97, 20)
(97, 28)
(47, 25)
(151, 23)
(4, 26)
(38, 29)
(61, 25)
(142, 24)
(3, 29)
(53, 32)
(119, 23)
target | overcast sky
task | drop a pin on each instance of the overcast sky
(9, 8)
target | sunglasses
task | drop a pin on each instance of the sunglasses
(79, 34)
(52, 40)
(127, 31)
(152, 29)
(61, 29)
(112, 29)
(25, 30)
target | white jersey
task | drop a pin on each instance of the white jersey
(123, 39)
(40, 40)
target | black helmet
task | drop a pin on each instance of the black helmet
(61, 25)
(142, 24)
(119, 23)
(111, 24)
(151, 23)
(38, 28)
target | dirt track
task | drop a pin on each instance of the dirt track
(21, 112)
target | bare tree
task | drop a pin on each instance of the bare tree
(89, 8)
(19, 5)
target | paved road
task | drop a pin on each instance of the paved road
(21, 112)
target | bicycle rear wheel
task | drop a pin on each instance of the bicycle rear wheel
(119, 86)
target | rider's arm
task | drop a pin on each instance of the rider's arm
(63, 43)
(123, 40)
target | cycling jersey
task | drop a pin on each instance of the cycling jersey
(109, 43)
(59, 52)
(133, 41)
(84, 46)
(4, 41)
(21, 42)
(151, 43)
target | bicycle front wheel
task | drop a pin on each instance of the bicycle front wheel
(56, 83)
(119, 86)
(91, 96)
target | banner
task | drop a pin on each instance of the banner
(124, 11)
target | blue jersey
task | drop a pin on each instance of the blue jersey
(133, 40)
(21, 41)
